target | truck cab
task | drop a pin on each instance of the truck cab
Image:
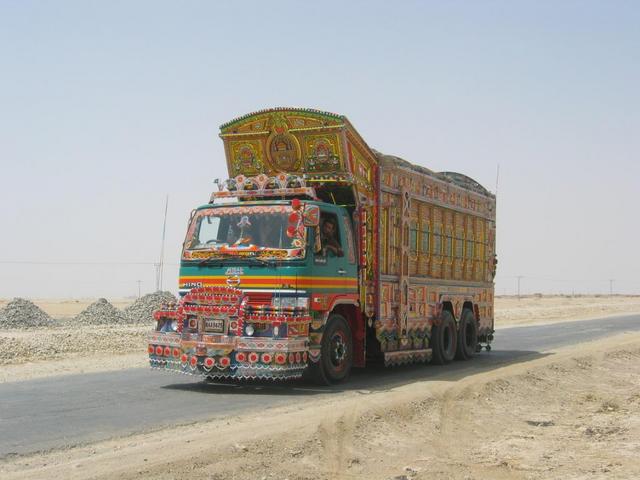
(257, 278)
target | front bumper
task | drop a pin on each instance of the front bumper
(224, 356)
(281, 352)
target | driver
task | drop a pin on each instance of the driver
(269, 235)
(329, 239)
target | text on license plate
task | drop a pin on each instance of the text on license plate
(214, 325)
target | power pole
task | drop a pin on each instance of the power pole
(611, 280)
(139, 282)
(519, 277)
(157, 267)
(164, 230)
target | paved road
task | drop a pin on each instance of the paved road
(60, 412)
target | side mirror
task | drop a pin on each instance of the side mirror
(311, 215)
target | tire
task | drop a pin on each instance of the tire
(444, 339)
(467, 336)
(336, 353)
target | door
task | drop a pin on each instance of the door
(334, 257)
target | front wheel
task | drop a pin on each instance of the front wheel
(336, 353)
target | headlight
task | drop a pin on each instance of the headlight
(290, 302)
(249, 330)
(169, 326)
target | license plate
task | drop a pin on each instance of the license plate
(214, 325)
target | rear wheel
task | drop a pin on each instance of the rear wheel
(444, 339)
(336, 353)
(467, 336)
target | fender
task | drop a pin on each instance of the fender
(327, 302)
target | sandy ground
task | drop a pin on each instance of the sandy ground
(536, 310)
(573, 414)
(68, 348)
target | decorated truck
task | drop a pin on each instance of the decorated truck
(320, 254)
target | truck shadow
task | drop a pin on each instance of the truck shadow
(375, 378)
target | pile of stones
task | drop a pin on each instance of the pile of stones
(141, 311)
(100, 312)
(21, 313)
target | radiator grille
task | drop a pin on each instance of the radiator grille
(259, 298)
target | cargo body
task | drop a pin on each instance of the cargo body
(320, 254)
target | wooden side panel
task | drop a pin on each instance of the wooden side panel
(438, 243)
(448, 239)
(458, 246)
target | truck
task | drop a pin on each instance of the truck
(320, 254)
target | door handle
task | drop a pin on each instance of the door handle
(341, 271)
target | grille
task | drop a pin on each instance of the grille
(257, 299)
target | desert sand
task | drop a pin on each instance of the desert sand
(573, 414)
(538, 309)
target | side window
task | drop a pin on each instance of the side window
(351, 249)
(330, 242)
(208, 230)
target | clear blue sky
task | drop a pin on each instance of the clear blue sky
(105, 107)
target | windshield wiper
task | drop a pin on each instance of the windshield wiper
(209, 260)
(214, 258)
(266, 263)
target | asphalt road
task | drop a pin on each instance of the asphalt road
(69, 410)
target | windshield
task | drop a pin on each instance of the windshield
(273, 231)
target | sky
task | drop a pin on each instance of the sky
(107, 107)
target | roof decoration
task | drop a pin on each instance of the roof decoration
(281, 185)
(308, 111)
(298, 141)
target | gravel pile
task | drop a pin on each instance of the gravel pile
(100, 312)
(87, 340)
(21, 313)
(141, 311)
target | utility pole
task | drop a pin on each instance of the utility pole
(164, 230)
(157, 267)
(611, 280)
(139, 282)
(519, 277)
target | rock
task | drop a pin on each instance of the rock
(141, 311)
(100, 312)
(541, 423)
(411, 471)
(21, 313)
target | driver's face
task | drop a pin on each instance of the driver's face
(328, 228)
